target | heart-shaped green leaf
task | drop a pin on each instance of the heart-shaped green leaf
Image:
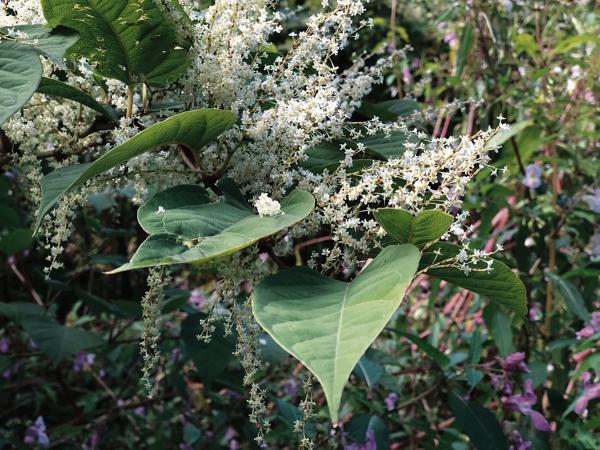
(56, 88)
(20, 74)
(328, 324)
(130, 41)
(193, 129)
(501, 285)
(428, 226)
(220, 228)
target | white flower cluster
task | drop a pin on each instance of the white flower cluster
(287, 104)
(266, 206)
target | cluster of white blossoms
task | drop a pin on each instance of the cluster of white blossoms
(266, 206)
(287, 103)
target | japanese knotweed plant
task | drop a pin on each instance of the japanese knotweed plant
(316, 209)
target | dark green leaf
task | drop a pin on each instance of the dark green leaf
(128, 41)
(499, 325)
(15, 241)
(57, 341)
(438, 357)
(57, 88)
(501, 285)
(479, 423)
(428, 226)
(20, 75)
(369, 371)
(571, 295)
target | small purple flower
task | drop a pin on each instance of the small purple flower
(263, 257)
(590, 392)
(371, 444)
(37, 432)
(523, 403)
(406, 75)
(518, 443)
(290, 387)
(593, 200)
(139, 411)
(451, 39)
(533, 176)
(4, 345)
(513, 362)
(390, 401)
(593, 247)
(93, 441)
(197, 299)
(535, 312)
(595, 322)
(83, 361)
(234, 445)
(592, 328)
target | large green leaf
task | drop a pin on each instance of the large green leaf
(220, 229)
(193, 129)
(20, 74)
(128, 40)
(53, 44)
(328, 324)
(403, 227)
(479, 423)
(56, 88)
(501, 285)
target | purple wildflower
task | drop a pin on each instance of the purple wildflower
(533, 176)
(593, 247)
(37, 433)
(406, 75)
(593, 200)
(523, 403)
(4, 345)
(390, 401)
(514, 361)
(197, 299)
(290, 387)
(592, 328)
(83, 361)
(590, 392)
(451, 39)
(371, 444)
(518, 443)
(535, 312)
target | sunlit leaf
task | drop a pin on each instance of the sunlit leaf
(328, 324)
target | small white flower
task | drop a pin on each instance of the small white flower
(160, 210)
(266, 206)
